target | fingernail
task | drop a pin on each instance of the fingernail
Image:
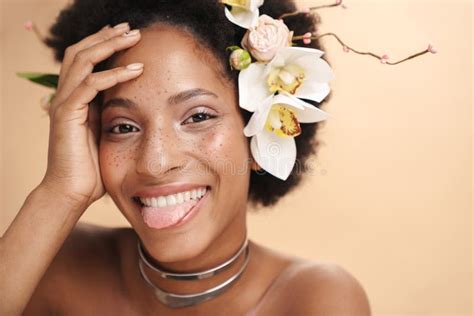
(132, 33)
(136, 66)
(121, 25)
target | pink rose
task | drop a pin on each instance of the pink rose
(266, 38)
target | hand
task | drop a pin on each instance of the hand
(73, 168)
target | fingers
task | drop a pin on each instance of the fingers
(104, 34)
(93, 120)
(78, 101)
(85, 60)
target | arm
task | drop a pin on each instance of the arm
(30, 243)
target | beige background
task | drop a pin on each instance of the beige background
(390, 198)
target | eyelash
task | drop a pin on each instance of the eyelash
(111, 130)
(200, 112)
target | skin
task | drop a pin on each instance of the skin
(167, 146)
(96, 269)
(206, 152)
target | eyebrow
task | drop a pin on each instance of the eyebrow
(172, 100)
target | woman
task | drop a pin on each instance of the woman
(148, 111)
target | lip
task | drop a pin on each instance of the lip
(168, 189)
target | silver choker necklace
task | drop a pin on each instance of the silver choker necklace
(183, 300)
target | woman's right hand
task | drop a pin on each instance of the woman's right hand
(73, 167)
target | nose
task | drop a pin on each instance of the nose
(158, 154)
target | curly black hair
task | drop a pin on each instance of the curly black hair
(206, 21)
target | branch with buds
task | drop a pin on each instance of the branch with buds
(310, 9)
(308, 37)
(31, 26)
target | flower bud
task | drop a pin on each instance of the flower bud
(432, 49)
(28, 25)
(240, 59)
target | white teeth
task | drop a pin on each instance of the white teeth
(179, 198)
(161, 201)
(187, 196)
(174, 199)
(171, 200)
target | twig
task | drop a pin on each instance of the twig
(306, 38)
(31, 26)
(308, 10)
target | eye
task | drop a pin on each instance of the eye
(122, 129)
(200, 116)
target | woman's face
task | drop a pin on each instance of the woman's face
(175, 128)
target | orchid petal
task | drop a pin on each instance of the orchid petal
(288, 99)
(253, 87)
(305, 112)
(241, 17)
(257, 122)
(274, 154)
(311, 115)
(318, 73)
(316, 69)
(287, 55)
(255, 4)
(313, 91)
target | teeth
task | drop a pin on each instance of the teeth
(179, 198)
(171, 200)
(161, 201)
(187, 196)
(174, 199)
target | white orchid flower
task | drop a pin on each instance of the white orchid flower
(244, 13)
(298, 71)
(273, 127)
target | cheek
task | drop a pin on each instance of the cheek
(113, 165)
(225, 149)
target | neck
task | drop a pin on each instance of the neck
(224, 247)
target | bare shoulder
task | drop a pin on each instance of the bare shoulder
(306, 287)
(323, 288)
(82, 259)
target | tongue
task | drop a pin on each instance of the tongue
(160, 217)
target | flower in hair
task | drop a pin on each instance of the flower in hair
(272, 92)
(298, 71)
(266, 38)
(273, 127)
(244, 13)
(271, 88)
(239, 58)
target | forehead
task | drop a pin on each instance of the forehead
(174, 61)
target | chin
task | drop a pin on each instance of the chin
(178, 248)
(183, 240)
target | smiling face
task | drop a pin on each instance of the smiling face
(175, 128)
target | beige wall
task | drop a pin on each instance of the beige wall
(390, 197)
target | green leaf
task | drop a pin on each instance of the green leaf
(44, 79)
